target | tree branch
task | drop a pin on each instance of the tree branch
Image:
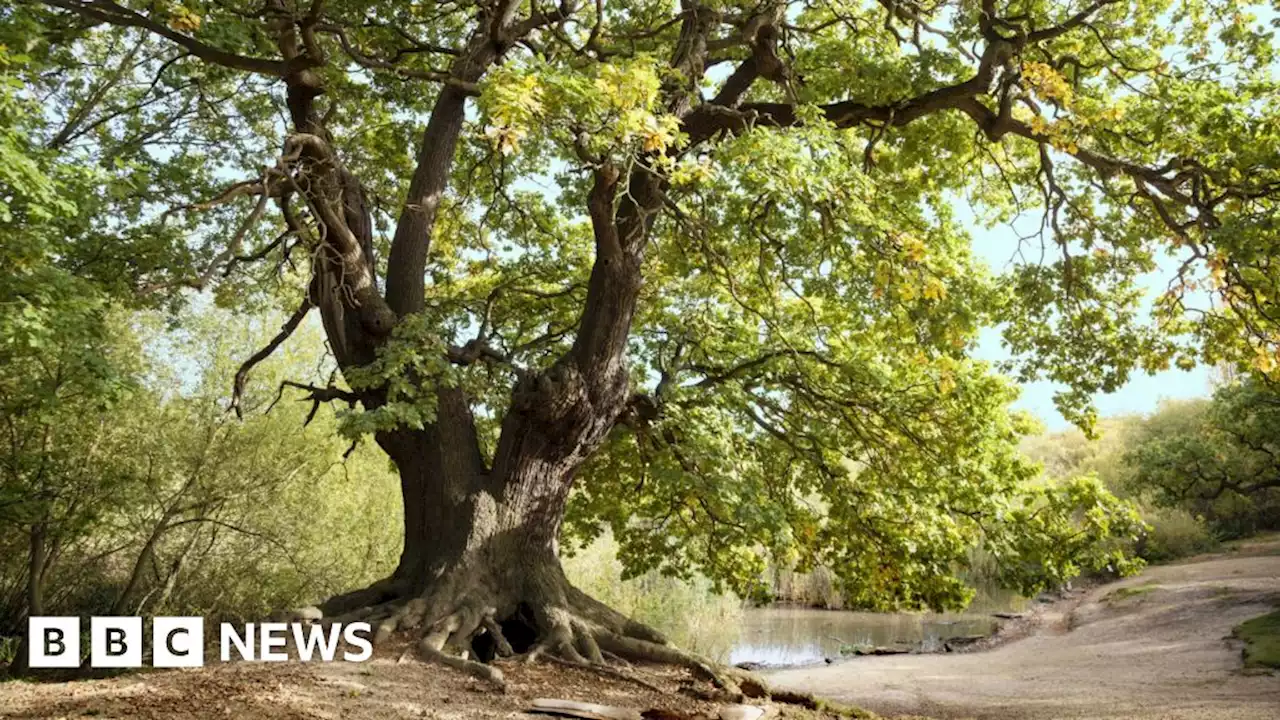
(709, 119)
(316, 395)
(373, 63)
(411, 244)
(109, 12)
(242, 375)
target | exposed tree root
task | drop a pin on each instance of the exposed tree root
(551, 620)
(606, 671)
(360, 600)
(480, 670)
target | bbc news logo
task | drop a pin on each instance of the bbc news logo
(117, 642)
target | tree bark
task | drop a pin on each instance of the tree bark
(37, 558)
(480, 572)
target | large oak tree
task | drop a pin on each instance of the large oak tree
(698, 272)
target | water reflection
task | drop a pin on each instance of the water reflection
(796, 636)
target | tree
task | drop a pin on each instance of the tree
(1219, 459)
(63, 362)
(156, 500)
(706, 261)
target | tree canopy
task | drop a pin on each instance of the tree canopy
(1215, 458)
(720, 253)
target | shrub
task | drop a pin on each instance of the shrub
(1174, 534)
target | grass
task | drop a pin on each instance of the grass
(690, 613)
(1261, 637)
(1125, 593)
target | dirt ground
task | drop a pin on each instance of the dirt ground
(382, 689)
(1152, 646)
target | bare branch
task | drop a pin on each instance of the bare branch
(316, 395)
(242, 375)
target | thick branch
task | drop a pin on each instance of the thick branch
(412, 241)
(109, 12)
(1146, 178)
(620, 235)
(712, 118)
(760, 33)
(709, 119)
(480, 351)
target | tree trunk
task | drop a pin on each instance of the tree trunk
(146, 556)
(36, 571)
(37, 558)
(471, 532)
(171, 577)
(480, 572)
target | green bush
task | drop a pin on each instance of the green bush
(1174, 534)
(689, 612)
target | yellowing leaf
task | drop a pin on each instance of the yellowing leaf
(1047, 82)
(947, 383)
(184, 19)
(1264, 361)
(505, 139)
(934, 289)
(914, 249)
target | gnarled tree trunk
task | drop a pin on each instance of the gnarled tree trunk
(480, 572)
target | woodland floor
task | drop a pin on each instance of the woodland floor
(382, 689)
(1153, 646)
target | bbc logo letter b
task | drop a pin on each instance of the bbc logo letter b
(115, 642)
(53, 642)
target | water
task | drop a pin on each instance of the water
(798, 636)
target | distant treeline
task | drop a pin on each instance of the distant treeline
(1202, 471)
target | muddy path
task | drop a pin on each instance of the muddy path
(1151, 646)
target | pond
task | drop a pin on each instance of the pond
(798, 636)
